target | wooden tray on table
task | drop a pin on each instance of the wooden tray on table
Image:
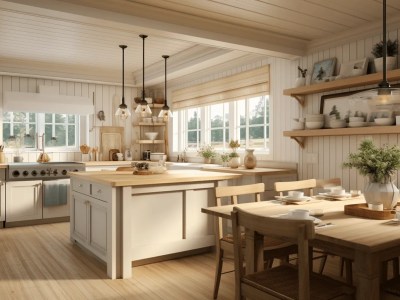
(362, 210)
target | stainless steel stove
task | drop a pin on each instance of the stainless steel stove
(42, 171)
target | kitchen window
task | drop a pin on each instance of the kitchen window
(246, 120)
(20, 130)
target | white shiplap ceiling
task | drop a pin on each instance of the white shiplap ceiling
(79, 38)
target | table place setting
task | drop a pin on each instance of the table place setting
(339, 194)
(295, 197)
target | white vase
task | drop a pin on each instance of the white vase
(234, 162)
(250, 161)
(300, 81)
(385, 193)
(390, 63)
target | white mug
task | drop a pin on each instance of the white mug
(300, 213)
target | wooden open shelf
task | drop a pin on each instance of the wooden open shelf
(150, 124)
(150, 141)
(300, 135)
(300, 92)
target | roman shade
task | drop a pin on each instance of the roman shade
(239, 86)
(47, 103)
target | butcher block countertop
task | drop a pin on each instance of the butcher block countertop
(126, 178)
(249, 172)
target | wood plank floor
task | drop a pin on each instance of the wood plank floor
(40, 262)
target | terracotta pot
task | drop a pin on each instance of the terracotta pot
(250, 161)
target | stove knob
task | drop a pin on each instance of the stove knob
(55, 172)
(15, 173)
(43, 172)
(25, 173)
(34, 173)
(76, 170)
(64, 172)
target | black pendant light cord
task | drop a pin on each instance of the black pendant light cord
(165, 84)
(143, 36)
(384, 83)
(123, 47)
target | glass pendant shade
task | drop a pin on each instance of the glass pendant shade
(165, 112)
(123, 112)
(143, 106)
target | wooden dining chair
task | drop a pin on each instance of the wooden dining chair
(286, 281)
(345, 264)
(273, 248)
(390, 290)
(306, 185)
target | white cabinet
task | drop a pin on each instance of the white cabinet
(24, 200)
(90, 215)
(2, 196)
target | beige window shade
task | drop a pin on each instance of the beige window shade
(245, 84)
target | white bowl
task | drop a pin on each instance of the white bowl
(298, 125)
(356, 119)
(337, 123)
(151, 135)
(314, 118)
(384, 121)
(358, 124)
(314, 125)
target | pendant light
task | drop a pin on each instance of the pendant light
(165, 111)
(123, 111)
(143, 106)
(384, 94)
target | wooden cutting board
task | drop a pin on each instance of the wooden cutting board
(111, 137)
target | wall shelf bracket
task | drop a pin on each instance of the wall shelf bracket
(299, 140)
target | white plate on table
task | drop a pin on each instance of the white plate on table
(293, 199)
(333, 195)
(291, 217)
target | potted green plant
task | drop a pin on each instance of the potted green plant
(379, 164)
(392, 50)
(207, 152)
(225, 159)
(234, 161)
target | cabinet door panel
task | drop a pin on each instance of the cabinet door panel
(98, 226)
(80, 226)
(2, 201)
(24, 201)
(197, 223)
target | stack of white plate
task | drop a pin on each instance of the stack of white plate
(314, 121)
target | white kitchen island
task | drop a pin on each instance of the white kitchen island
(123, 218)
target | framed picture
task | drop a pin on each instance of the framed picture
(343, 105)
(353, 68)
(322, 70)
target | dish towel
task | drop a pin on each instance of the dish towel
(55, 192)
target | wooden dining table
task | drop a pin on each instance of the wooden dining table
(368, 242)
